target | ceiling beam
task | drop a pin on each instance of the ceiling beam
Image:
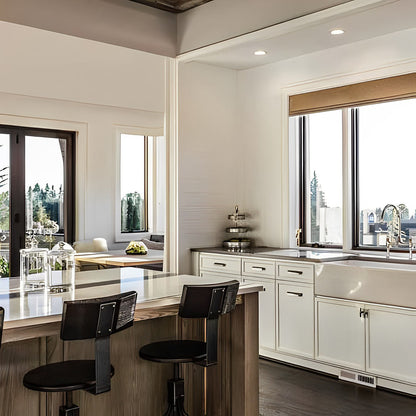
(173, 6)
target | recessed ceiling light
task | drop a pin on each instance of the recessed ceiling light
(337, 32)
(260, 53)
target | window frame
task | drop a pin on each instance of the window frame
(351, 185)
(147, 132)
(17, 185)
(303, 207)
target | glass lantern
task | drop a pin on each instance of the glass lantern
(61, 276)
(33, 267)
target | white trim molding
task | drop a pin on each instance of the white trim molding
(118, 131)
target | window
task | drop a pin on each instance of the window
(382, 145)
(36, 191)
(133, 182)
(386, 147)
(140, 194)
(321, 178)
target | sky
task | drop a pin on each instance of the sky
(131, 164)
(43, 160)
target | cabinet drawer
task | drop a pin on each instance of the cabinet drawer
(221, 264)
(296, 272)
(229, 276)
(259, 268)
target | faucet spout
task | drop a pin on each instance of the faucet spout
(396, 225)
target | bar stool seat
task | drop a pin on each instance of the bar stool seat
(63, 376)
(175, 351)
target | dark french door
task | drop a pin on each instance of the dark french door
(37, 172)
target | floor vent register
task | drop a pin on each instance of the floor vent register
(362, 379)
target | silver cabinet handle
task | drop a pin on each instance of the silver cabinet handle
(298, 294)
(295, 271)
(260, 269)
(220, 264)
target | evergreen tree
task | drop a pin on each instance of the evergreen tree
(317, 197)
(131, 216)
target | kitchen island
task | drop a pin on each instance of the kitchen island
(31, 338)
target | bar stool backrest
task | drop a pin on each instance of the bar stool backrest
(209, 302)
(98, 318)
(1, 322)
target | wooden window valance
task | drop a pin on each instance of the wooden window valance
(386, 89)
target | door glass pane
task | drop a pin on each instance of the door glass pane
(386, 152)
(132, 183)
(323, 156)
(44, 187)
(4, 204)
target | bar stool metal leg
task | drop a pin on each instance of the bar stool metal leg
(176, 395)
(70, 409)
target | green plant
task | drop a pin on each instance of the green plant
(4, 267)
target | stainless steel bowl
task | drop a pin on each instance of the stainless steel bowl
(236, 229)
(236, 245)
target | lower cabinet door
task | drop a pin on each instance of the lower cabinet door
(267, 312)
(295, 314)
(391, 342)
(340, 333)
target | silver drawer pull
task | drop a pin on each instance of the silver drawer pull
(260, 269)
(220, 264)
(299, 294)
(295, 271)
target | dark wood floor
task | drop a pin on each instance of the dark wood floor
(290, 391)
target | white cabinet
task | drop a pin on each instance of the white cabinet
(249, 270)
(380, 340)
(320, 332)
(295, 318)
(267, 305)
(340, 333)
(391, 342)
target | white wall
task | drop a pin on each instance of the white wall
(45, 64)
(209, 156)
(118, 22)
(224, 19)
(262, 116)
(56, 81)
(96, 146)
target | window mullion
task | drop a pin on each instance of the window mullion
(17, 198)
(347, 179)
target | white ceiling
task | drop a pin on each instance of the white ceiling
(361, 19)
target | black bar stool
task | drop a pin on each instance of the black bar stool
(198, 301)
(85, 319)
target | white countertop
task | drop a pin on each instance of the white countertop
(32, 308)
